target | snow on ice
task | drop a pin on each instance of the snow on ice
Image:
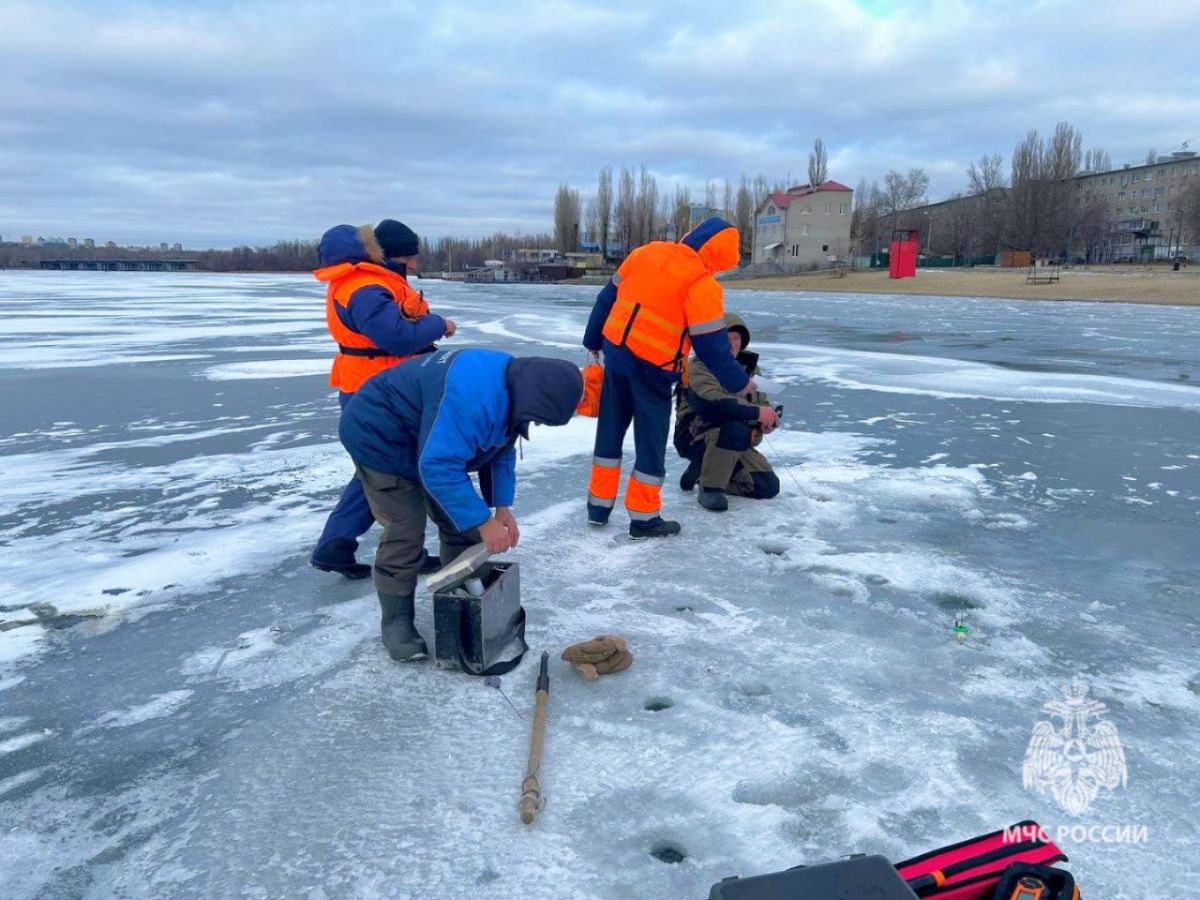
(188, 710)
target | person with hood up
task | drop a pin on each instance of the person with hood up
(663, 301)
(717, 430)
(416, 433)
(378, 320)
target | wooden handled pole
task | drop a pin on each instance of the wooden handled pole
(531, 789)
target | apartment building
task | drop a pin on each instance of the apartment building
(1140, 206)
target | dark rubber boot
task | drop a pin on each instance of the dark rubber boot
(598, 515)
(430, 563)
(656, 527)
(690, 476)
(400, 635)
(713, 499)
(337, 555)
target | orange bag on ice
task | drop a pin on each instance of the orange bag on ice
(593, 380)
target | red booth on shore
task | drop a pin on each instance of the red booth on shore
(903, 262)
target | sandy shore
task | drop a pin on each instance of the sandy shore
(1105, 284)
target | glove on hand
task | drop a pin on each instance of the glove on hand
(602, 655)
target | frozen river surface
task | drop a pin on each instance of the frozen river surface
(188, 710)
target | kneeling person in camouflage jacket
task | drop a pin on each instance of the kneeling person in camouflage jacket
(716, 431)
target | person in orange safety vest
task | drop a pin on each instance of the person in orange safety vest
(662, 302)
(378, 320)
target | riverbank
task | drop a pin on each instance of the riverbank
(1107, 284)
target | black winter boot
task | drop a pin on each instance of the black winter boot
(429, 563)
(691, 475)
(713, 499)
(337, 555)
(656, 527)
(400, 635)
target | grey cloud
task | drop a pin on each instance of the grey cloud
(231, 122)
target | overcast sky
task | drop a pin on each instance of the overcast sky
(215, 123)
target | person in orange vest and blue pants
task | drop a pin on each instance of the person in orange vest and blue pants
(378, 320)
(663, 301)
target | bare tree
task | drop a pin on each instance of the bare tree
(1097, 161)
(591, 217)
(761, 190)
(1026, 198)
(954, 227)
(1066, 151)
(566, 219)
(903, 192)
(866, 220)
(727, 202)
(604, 208)
(1151, 156)
(744, 215)
(986, 180)
(646, 207)
(681, 211)
(1092, 228)
(1040, 208)
(710, 194)
(986, 175)
(665, 218)
(818, 168)
(625, 211)
(858, 214)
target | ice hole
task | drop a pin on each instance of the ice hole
(949, 600)
(668, 852)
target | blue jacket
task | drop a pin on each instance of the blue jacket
(437, 419)
(372, 311)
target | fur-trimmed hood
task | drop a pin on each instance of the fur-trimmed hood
(351, 244)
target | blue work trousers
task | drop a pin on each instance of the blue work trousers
(352, 517)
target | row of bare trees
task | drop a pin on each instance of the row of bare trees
(1032, 204)
(879, 209)
(441, 254)
(283, 256)
(628, 209)
(448, 254)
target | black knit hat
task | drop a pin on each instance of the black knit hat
(397, 239)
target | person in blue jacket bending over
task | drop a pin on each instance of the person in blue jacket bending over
(416, 432)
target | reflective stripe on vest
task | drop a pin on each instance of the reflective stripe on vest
(657, 340)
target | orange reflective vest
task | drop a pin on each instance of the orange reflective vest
(665, 294)
(358, 358)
